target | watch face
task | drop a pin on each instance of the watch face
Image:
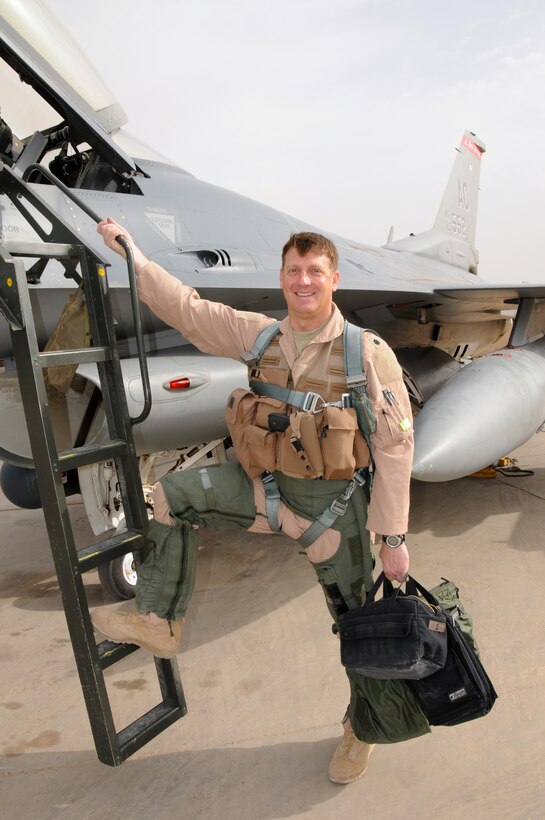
(394, 540)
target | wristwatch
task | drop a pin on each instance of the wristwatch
(393, 541)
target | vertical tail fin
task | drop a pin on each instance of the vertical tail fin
(452, 238)
(457, 215)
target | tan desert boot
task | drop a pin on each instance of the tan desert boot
(161, 638)
(350, 759)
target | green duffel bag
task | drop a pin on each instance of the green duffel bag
(447, 595)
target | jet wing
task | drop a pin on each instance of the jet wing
(90, 126)
(493, 293)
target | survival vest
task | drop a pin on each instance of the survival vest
(320, 429)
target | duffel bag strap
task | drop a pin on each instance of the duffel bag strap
(388, 592)
(413, 588)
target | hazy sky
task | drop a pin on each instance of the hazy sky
(344, 113)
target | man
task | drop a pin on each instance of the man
(303, 469)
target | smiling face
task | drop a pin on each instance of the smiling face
(308, 283)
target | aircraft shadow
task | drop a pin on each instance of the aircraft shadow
(455, 508)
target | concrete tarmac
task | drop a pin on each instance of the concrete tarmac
(264, 686)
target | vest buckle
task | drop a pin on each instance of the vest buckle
(310, 403)
(339, 505)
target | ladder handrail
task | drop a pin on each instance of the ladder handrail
(137, 316)
(138, 331)
(61, 186)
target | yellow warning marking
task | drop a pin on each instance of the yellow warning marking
(101, 272)
(504, 462)
(487, 472)
(9, 281)
(131, 538)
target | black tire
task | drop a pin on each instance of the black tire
(20, 486)
(118, 577)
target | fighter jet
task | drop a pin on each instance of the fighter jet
(473, 353)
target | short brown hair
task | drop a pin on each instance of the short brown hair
(307, 241)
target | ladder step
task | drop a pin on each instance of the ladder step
(48, 250)
(82, 355)
(110, 652)
(119, 544)
(80, 263)
(148, 726)
(90, 454)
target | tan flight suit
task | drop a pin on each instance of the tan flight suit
(380, 711)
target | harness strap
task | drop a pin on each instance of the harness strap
(353, 359)
(263, 340)
(272, 500)
(337, 507)
(312, 402)
(356, 382)
(207, 487)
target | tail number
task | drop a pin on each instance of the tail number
(455, 223)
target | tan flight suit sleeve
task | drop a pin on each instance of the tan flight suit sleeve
(392, 443)
(211, 326)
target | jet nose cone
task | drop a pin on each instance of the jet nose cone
(438, 456)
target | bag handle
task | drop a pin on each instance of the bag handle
(412, 587)
(388, 591)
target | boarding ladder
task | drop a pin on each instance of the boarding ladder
(62, 244)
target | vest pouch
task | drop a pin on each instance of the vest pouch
(264, 407)
(362, 457)
(338, 428)
(254, 445)
(300, 454)
(259, 447)
(364, 410)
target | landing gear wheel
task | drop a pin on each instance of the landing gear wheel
(118, 577)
